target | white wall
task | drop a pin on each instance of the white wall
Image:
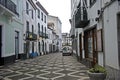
(110, 33)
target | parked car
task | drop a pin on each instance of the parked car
(66, 51)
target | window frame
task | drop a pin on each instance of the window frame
(38, 13)
(32, 13)
(27, 26)
(45, 18)
(42, 16)
(32, 28)
(27, 7)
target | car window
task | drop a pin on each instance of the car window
(65, 48)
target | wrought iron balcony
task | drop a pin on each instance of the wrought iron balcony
(31, 36)
(46, 36)
(43, 35)
(9, 5)
(40, 34)
(81, 18)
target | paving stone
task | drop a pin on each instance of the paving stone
(67, 78)
(17, 77)
(50, 75)
(46, 67)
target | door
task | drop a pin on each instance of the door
(32, 47)
(39, 47)
(95, 54)
(0, 44)
(90, 43)
(80, 43)
(118, 35)
(16, 44)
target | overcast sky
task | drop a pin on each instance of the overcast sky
(59, 8)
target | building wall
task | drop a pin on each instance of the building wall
(32, 22)
(110, 33)
(57, 29)
(10, 24)
(42, 23)
(8, 39)
(109, 23)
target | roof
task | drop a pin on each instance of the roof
(55, 17)
(41, 7)
(32, 3)
(51, 24)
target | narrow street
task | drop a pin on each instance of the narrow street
(47, 67)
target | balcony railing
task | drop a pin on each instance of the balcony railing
(31, 36)
(9, 5)
(81, 18)
(40, 34)
(46, 36)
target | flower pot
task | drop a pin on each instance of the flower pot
(97, 76)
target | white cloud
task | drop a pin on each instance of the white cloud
(59, 8)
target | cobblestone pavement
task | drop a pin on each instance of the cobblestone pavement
(47, 67)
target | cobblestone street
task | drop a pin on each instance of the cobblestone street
(46, 67)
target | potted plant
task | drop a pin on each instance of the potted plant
(97, 73)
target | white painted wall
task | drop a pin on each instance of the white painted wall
(57, 28)
(79, 31)
(110, 27)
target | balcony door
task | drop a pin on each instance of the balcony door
(16, 44)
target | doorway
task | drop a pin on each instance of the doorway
(90, 43)
(118, 35)
(16, 44)
(0, 44)
(80, 47)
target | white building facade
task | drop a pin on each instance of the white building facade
(35, 28)
(42, 15)
(95, 30)
(57, 33)
(30, 29)
(11, 47)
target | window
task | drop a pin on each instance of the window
(44, 18)
(27, 7)
(32, 29)
(45, 31)
(38, 13)
(39, 47)
(42, 29)
(27, 26)
(32, 14)
(38, 28)
(41, 16)
(92, 2)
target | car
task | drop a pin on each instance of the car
(66, 51)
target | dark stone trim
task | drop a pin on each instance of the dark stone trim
(7, 60)
(22, 56)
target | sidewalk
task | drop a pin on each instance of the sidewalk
(46, 67)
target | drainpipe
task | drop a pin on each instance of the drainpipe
(102, 15)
